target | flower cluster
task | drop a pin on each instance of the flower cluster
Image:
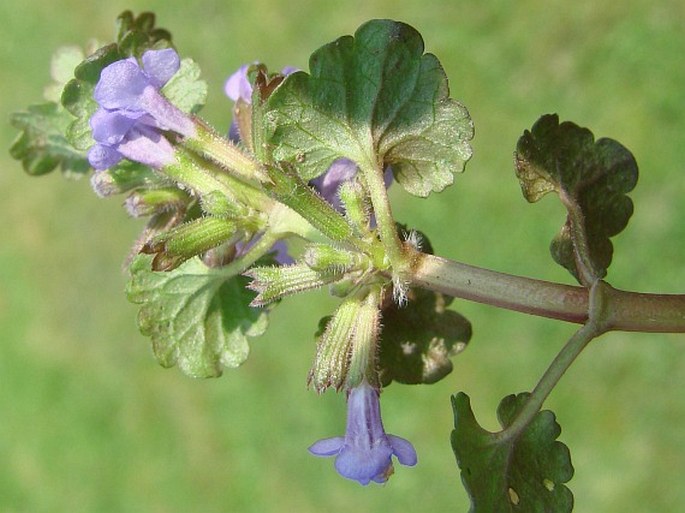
(133, 121)
(133, 112)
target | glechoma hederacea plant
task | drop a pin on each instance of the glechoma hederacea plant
(309, 156)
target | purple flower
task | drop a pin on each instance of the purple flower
(328, 183)
(238, 87)
(365, 452)
(340, 171)
(133, 112)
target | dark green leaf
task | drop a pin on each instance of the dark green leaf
(135, 35)
(592, 179)
(41, 146)
(378, 100)
(523, 474)
(198, 318)
(418, 340)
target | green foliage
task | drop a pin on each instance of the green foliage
(185, 89)
(41, 146)
(378, 100)
(418, 339)
(198, 318)
(496, 35)
(591, 178)
(512, 472)
(135, 34)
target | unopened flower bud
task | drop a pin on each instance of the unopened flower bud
(185, 241)
(274, 282)
(321, 257)
(148, 202)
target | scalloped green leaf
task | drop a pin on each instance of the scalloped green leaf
(377, 99)
(198, 317)
(419, 339)
(591, 178)
(41, 145)
(526, 473)
(136, 34)
(186, 90)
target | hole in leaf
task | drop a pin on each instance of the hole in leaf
(514, 497)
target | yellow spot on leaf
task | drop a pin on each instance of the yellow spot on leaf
(514, 497)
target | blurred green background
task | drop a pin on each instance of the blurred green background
(89, 422)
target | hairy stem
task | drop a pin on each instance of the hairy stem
(258, 250)
(219, 149)
(373, 176)
(629, 311)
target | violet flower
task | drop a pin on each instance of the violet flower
(328, 183)
(133, 112)
(238, 87)
(365, 452)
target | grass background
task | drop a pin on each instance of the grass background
(89, 422)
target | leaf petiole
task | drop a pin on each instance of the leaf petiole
(373, 176)
(595, 326)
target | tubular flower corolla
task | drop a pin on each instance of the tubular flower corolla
(365, 453)
(133, 112)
